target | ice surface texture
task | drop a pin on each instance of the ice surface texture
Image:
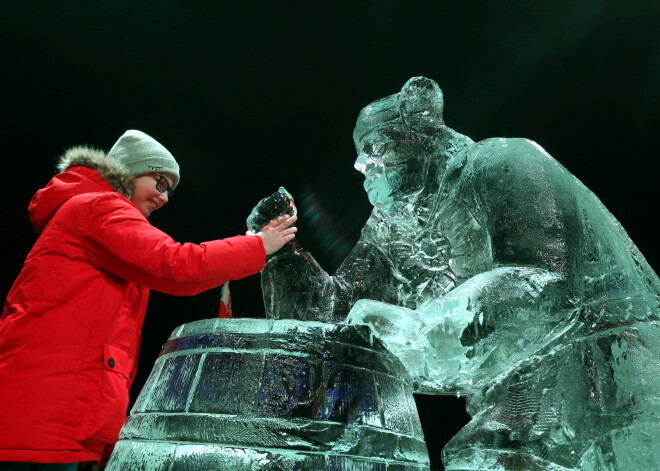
(254, 394)
(492, 272)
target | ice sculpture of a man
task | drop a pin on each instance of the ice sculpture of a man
(491, 271)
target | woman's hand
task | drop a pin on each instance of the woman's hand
(277, 233)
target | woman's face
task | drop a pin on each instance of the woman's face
(146, 196)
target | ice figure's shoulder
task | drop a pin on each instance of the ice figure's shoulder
(504, 158)
(500, 150)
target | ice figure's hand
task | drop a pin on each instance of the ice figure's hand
(277, 233)
(426, 341)
(399, 329)
(270, 208)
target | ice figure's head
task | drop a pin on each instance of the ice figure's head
(394, 137)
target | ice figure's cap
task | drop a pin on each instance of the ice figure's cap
(418, 105)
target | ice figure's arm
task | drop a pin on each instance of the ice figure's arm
(491, 322)
(295, 285)
(478, 330)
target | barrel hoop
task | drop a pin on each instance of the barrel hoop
(290, 434)
(329, 350)
(164, 454)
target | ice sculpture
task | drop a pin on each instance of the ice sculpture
(492, 272)
(257, 394)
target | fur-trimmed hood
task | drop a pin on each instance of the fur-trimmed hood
(116, 174)
(82, 170)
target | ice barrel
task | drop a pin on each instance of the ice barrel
(255, 394)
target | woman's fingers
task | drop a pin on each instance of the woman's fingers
(283, 221)
(276, 222)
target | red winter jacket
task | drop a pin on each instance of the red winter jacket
(70, 329)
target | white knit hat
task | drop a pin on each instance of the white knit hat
(141, 153)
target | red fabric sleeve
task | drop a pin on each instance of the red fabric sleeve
(120, 240)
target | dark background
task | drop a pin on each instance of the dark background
(251, 95)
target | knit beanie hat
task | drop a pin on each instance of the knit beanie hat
(141, 153)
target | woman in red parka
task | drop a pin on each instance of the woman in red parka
(70, 329)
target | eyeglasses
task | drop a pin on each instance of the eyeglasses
(163, 185)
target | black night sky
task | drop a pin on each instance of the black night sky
(252, 95)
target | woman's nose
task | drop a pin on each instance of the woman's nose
(163, 197)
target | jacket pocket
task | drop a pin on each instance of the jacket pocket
(113, 400)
